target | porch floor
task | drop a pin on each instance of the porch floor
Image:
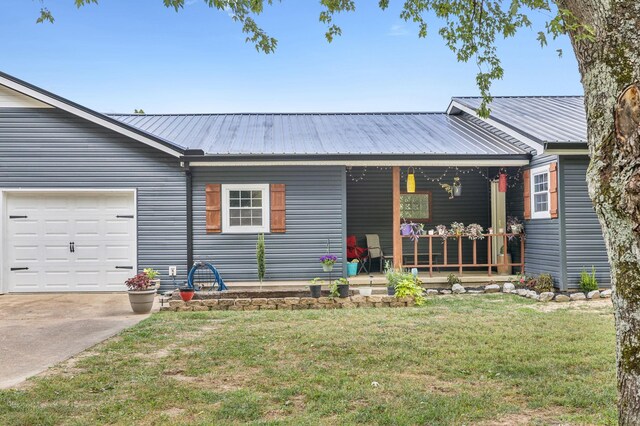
(376, 279)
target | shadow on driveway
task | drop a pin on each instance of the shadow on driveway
(40, 330)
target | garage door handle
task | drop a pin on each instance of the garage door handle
(17, 217)
(124, 216)
(124, 267)
(20, 269)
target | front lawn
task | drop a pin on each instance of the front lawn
(488, 359)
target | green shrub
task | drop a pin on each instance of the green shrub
(588, 282)
(260, 260)
(409, 286)
(453, 279)
(544, 283)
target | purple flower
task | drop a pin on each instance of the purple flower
(328, 259)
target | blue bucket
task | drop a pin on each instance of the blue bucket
(352, 269)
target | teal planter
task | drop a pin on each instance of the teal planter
(352, 269)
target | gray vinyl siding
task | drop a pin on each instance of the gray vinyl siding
(49, 148)
(543, 253)
(369, 208)
(585, 245)
(314, 215)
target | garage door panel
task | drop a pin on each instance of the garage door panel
(41, 241)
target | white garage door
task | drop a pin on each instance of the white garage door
(69, 241)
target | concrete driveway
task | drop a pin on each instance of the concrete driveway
(39, 330)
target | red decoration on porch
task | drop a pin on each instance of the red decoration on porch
(502, 182)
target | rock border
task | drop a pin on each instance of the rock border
(289, 303)
(374, 301)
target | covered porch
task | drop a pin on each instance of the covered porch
(381, 199)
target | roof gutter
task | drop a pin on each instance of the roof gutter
(353, 160)
(566, 148)
(456, 107)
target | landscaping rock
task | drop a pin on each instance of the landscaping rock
(251, 308)
(546, 296)
(577, 296)
(167, 308)
(522, 292)
(176, 303)
(492, 288)
(388, 299)
(292, 300)
(375, 298)
(432, 291)
(445, 291)
(514, 291)
(606, 294)
(458, 289)
(200, 308)
(531, 294)
(475, 291)
(593, 295)
(562, 298)
(508, 288)
(259, 301)
(211, 302)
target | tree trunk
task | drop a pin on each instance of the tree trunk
(610, 70)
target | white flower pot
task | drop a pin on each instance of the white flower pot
(365, 291)
(327, 268)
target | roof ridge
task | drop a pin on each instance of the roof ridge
(520, 96)
(120, 114)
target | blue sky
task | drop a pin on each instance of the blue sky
(127, 54)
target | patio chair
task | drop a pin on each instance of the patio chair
(355, 252)
(375, 250)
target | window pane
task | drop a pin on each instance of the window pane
(257, 221)
(245, 202)
(256, 195)
(541, 182)
(414, 206)
(541, 203)
(257, 203)
(234, 194)
(245, 194)
(234, 203)
(234, 222)
(234, 213)
(245, 222)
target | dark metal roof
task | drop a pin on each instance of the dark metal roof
(329, 134)
(545, 118)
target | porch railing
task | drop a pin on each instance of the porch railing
(429, 240)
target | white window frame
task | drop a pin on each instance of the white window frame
(266, 210)
(534, 172)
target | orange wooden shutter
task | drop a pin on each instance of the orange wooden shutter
(553, 190)
(278, 207)
(214, 207)
(526, 181)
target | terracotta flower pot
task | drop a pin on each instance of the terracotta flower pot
(187, 293)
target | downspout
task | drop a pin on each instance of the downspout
(189, 193)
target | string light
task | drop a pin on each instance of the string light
(513, 180)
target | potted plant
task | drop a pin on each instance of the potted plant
(515, 225)
(328, 260)
(153, 277)
(141, 295)
(340, 288)
(412, 230)
(352, 268)
(187, 292)
(315, 287)
(474, 232)
(392, 278)
(442, 231)
(457, 228)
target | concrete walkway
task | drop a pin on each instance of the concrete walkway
(39, 330)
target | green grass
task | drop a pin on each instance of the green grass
(457, 360)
